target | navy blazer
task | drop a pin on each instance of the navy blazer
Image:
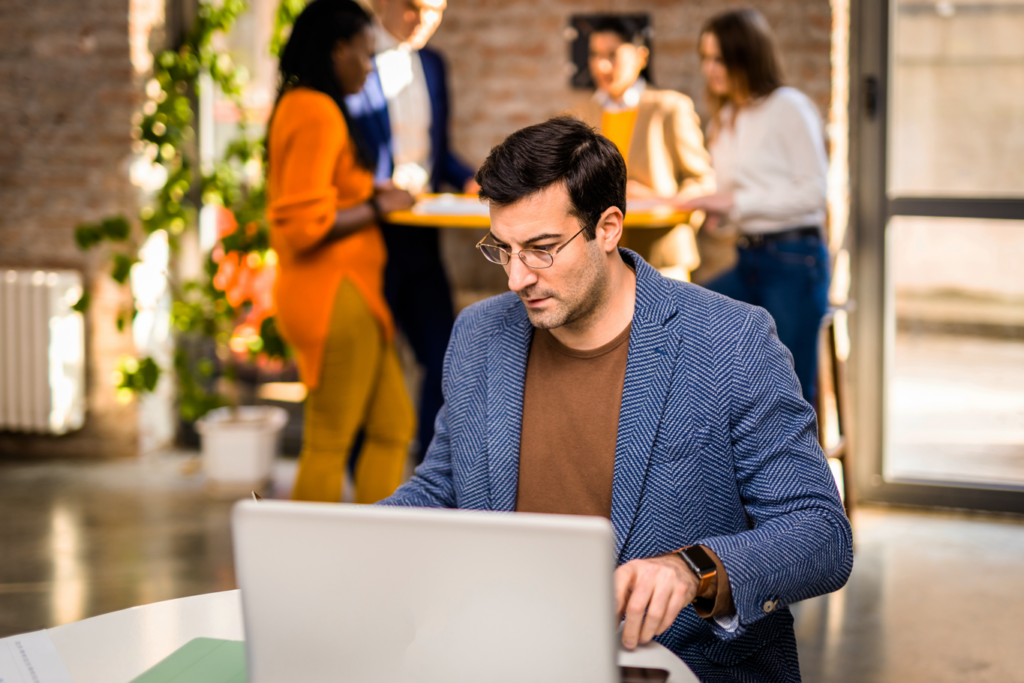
(369, 111)
(715, 446)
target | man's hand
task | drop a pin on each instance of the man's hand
(658, 586)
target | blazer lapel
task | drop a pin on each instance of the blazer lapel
(653, 354)
(506, 379)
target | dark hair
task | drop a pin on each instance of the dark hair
(625, 27)
(749, 53)
(630, 29)
(306, 58)
(560, 150)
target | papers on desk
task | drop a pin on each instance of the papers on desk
(450, 205)
(31, 658)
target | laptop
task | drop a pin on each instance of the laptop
(371, 594)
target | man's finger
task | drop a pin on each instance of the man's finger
(676, 603)
(635, 609)
(624, 577)
(657, 607)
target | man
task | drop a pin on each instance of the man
(403, 113)
(658, 133)
(599, 386)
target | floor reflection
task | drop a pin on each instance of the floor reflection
(69, 572)
(77, 540)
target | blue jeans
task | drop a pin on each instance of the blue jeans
(789, 278)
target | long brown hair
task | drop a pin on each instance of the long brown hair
(750, 57)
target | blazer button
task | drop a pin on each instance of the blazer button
(768, 607)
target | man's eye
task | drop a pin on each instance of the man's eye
(544, 247)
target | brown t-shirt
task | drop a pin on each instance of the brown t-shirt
(570, 425)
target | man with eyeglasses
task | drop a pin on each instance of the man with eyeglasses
(600, 387)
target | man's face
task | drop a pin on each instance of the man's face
(576, 284)
(411, 21)
(614, 64)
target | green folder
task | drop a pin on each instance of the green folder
(203, 660)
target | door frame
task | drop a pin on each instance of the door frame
(870, 211)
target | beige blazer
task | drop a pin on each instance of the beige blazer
(666, 153)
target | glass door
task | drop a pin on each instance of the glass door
(947, 93)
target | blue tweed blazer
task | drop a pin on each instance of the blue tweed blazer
(715, 446)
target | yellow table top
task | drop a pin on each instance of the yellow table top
(648, 216)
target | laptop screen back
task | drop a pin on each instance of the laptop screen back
(371, 594)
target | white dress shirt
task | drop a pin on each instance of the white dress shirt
(630, 99)
(405, 89)
(772, 158)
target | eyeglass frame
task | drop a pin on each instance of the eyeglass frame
(519, 253)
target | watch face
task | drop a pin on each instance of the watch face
(700, 561)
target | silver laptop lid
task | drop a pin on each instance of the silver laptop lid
(366, 594)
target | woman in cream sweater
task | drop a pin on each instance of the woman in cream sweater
(768, 152)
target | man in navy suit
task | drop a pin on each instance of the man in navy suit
(597, 386)
(403, 113)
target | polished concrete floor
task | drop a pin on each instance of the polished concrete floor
(933, 597)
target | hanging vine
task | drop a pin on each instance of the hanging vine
(231, 303)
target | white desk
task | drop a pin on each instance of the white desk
(117, 647)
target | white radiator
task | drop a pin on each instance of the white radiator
(42, 351)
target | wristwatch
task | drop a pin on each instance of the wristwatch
(701, 564)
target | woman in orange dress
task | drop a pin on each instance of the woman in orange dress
(323, 214)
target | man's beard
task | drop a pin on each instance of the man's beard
(576, 303)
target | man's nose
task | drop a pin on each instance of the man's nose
(520, 275)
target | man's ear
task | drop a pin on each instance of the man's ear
(609, 229)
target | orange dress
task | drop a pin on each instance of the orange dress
(313, 172)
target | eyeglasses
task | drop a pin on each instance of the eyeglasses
(534, 258)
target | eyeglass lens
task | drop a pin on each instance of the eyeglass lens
(531, 257)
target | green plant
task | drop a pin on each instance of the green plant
(216, 306)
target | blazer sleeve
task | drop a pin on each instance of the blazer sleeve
(799, 544)
(448, 167)
(432, 485)
(304, 209)
(685, 143)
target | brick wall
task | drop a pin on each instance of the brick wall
(508, 68)
(68, 88)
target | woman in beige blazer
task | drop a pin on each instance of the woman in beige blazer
(658, 133)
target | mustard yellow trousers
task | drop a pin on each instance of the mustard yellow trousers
(361, 387)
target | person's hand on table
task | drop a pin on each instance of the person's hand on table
(719, 202)
(659, 587)
(392, 199)
(471, 187)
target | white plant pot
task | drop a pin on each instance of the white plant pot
(239, 447)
